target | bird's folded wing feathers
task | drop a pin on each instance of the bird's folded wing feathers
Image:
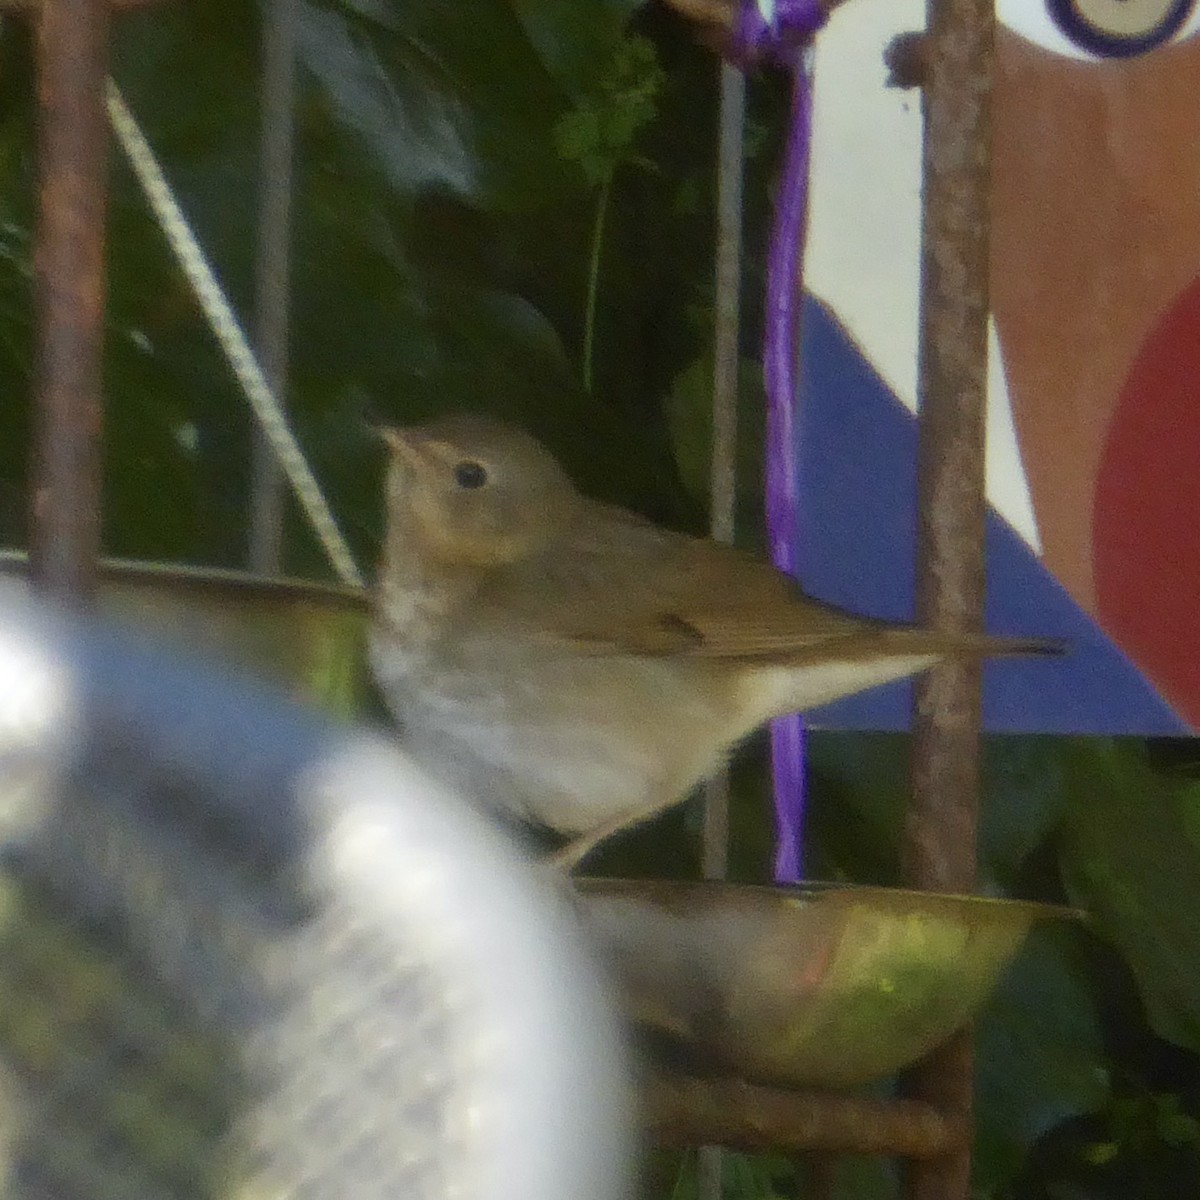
(624, 586)
(664, 594)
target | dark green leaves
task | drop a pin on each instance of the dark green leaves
(1131, 856)
(599, 132)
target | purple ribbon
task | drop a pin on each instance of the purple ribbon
(776, 33)
(781, 37)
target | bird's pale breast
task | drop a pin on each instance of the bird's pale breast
(567, 740)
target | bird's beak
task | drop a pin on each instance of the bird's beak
(401, 442)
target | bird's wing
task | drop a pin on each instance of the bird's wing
(618, 585)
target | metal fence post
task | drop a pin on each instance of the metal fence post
(69, 292)
(940, 829)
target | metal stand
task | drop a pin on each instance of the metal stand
(941, 824)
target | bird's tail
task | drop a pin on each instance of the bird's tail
(979, 643)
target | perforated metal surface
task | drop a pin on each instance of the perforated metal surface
(243, 954)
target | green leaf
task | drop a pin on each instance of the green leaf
(442, 99)
(574, 40)
(400, 101)
(1040, 1055)
(775, 1177)
(1022, 801)
(1172, 1126)
(600, 131)
(1129, 856)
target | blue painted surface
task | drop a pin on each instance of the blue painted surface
(856, 541)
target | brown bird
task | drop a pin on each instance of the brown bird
(577, 666)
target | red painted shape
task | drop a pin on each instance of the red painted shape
(1146, 517)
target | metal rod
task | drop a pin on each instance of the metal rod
(272, 275)
(723, 494)
(726, 326)
(726, 322)
(68, 289)
(945, 1081)
(952, 389)
(687, 1111)
(940, 828)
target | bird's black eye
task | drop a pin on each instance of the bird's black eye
(470, 475)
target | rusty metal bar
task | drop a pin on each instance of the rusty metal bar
(944, 1080)
(726, 324)
(723, 484)
(952, 390)
(726, 320)
(685, 1111)
(941, 824)
(272, 275)
(68, 288)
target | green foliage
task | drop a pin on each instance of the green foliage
(772, 1177)
(599, 131)
(1040, 1055)
(1141, 1121)
(1130, 852)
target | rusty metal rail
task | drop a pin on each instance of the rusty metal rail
(272, 273)
(683, 1111)
(941, 822)
(72, 60)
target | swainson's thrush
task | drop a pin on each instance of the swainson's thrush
(571, 663)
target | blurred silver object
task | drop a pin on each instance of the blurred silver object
(245, 953)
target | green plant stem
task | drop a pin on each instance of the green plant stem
(593, 288)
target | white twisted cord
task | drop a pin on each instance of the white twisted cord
(221, 319)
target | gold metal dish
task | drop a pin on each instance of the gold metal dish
(306, 636)
(817, 985)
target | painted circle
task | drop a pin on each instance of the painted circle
(1119, 28)
(1146, 518)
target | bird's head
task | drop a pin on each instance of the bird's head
(473, 491)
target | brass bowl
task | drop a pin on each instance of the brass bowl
(307, 637)
(817, 985)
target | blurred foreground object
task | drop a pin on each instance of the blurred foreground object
(248, 954)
